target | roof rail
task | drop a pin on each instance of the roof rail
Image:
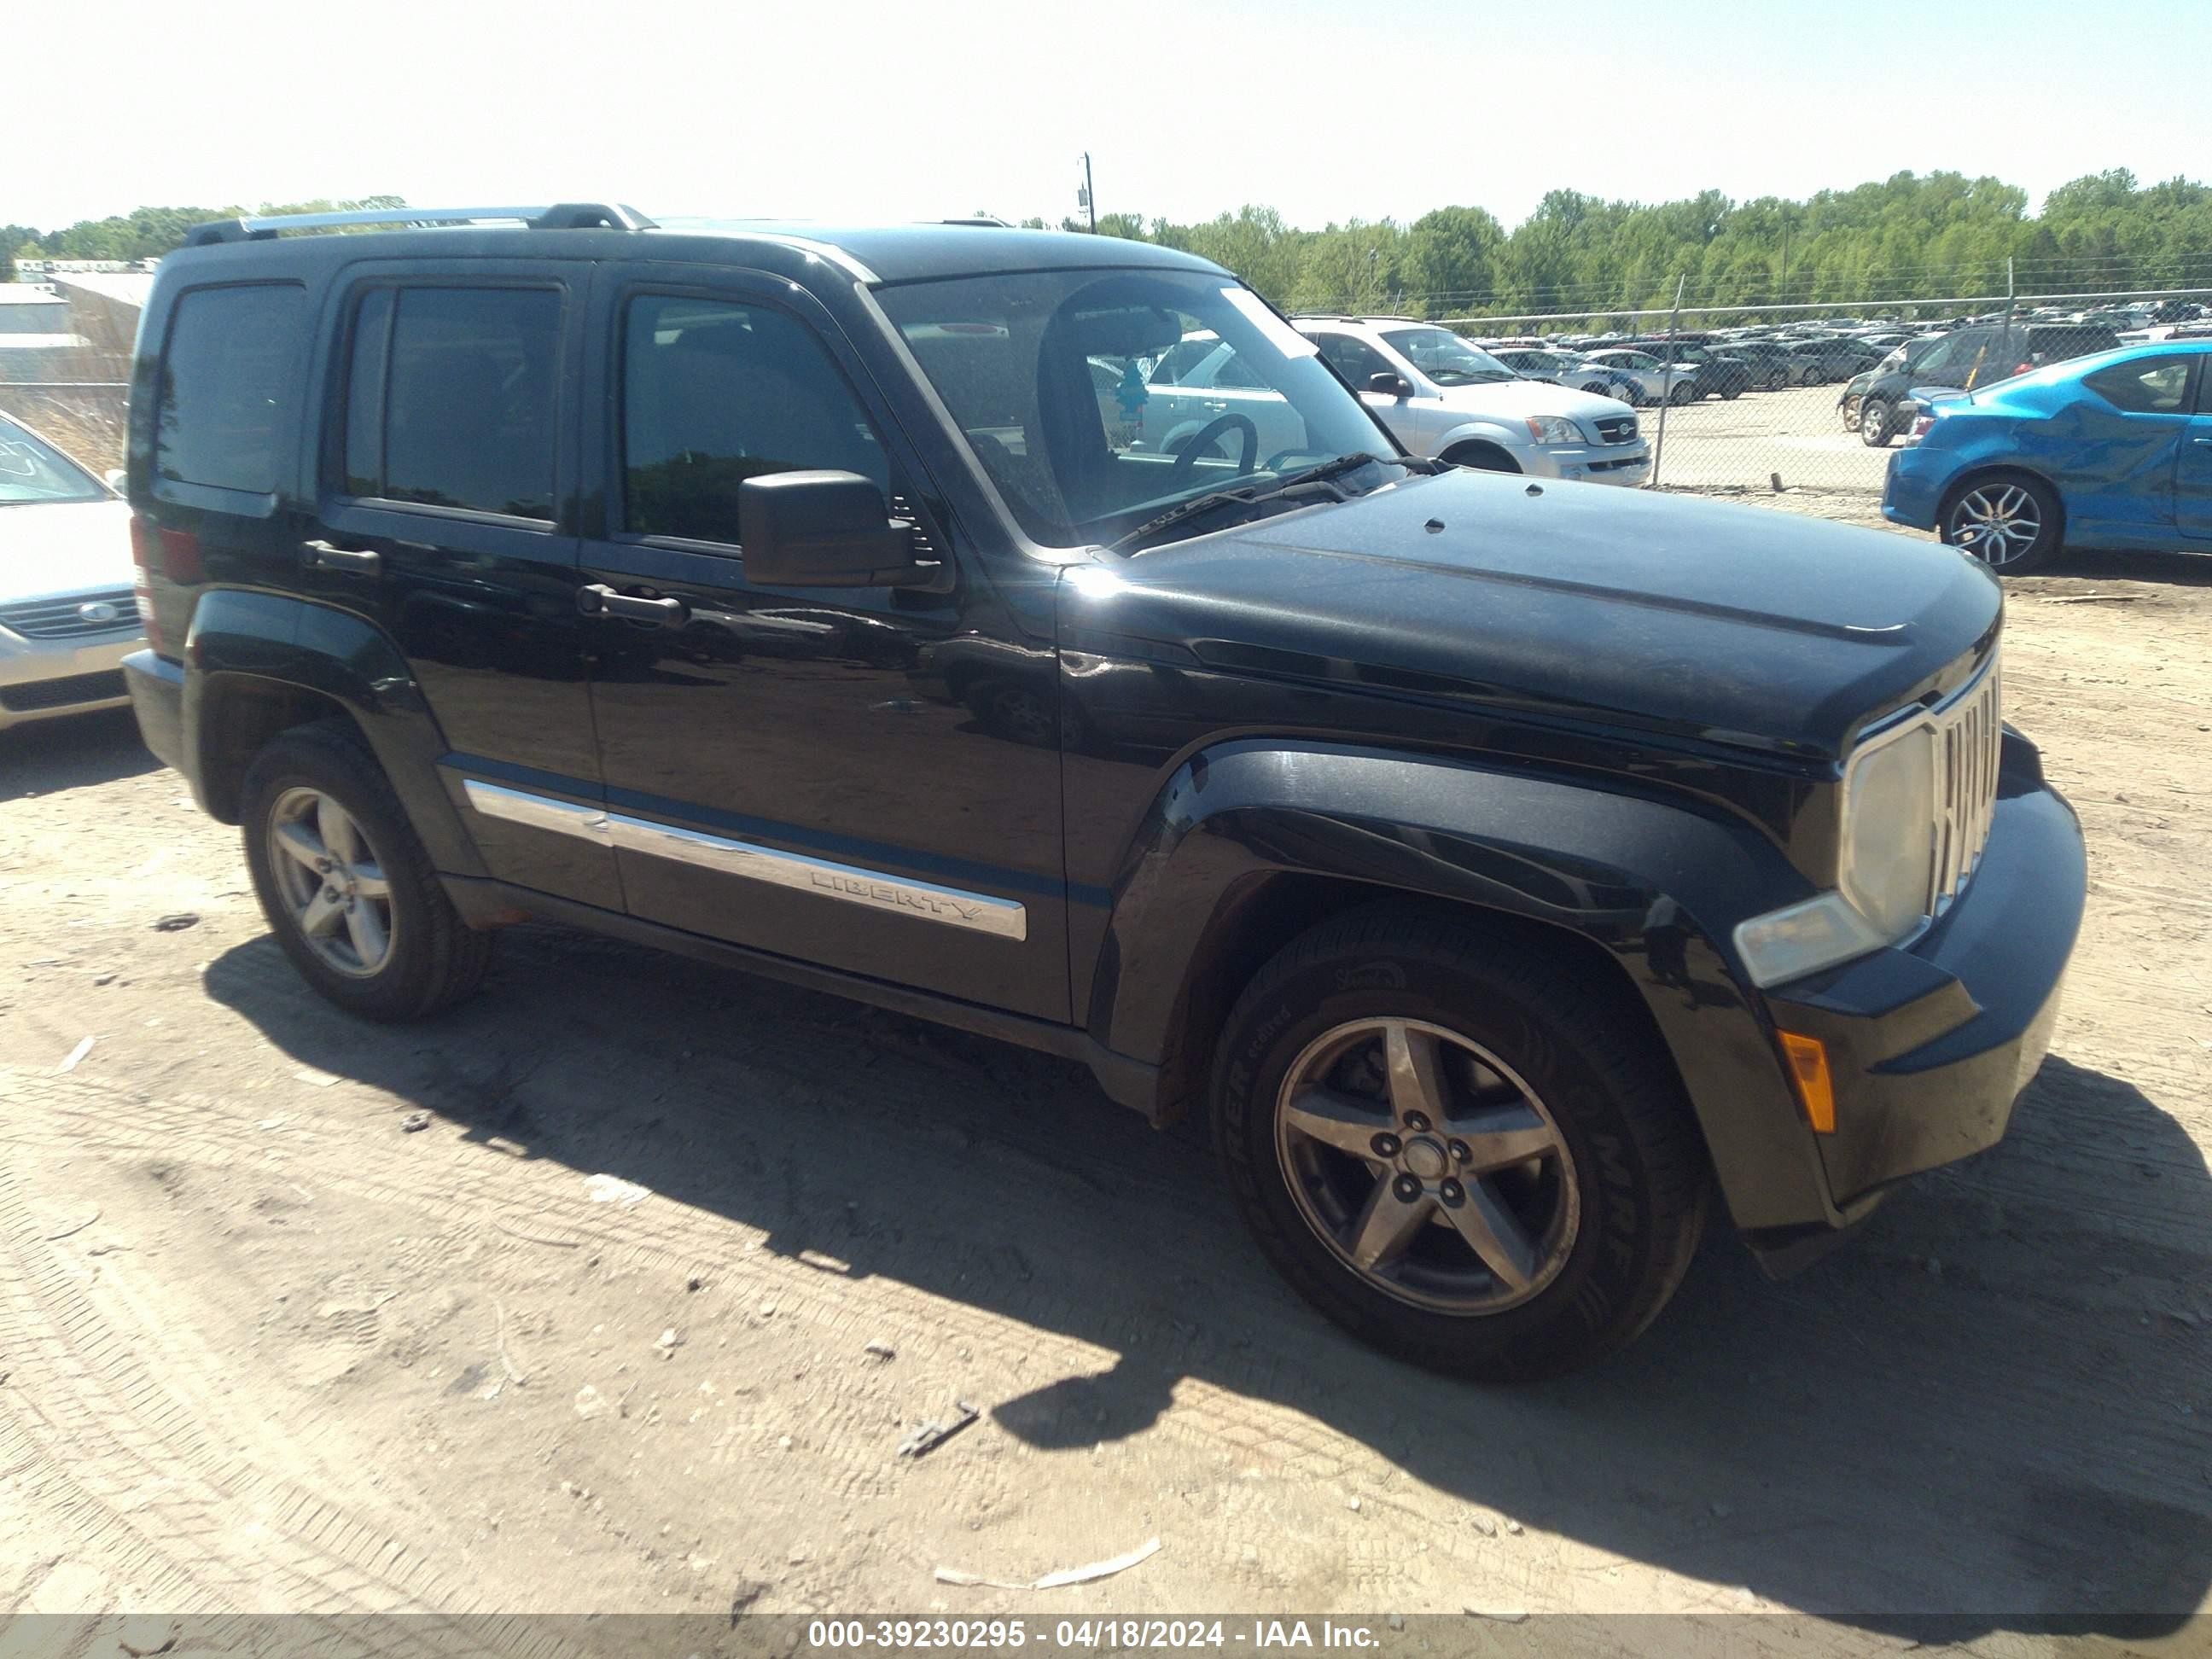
(565, 215)
(990, 219)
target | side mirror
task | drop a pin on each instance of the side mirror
(1389, 386)
(823, 529)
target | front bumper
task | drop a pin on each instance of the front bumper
(1929, 1045)
(41, 679)
(1614, 463)
(157, 696)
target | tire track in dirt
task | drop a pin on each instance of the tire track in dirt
(94, 1441)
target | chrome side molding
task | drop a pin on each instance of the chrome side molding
(954, 907)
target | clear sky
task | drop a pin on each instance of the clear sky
(902, 109)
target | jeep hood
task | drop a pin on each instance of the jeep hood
(1735, 624)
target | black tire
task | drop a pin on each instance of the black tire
(1596, 389)
(1732, 391)
(434, 959)
(1634, 1157)
(1681, 394)
(2042, 551)
(1876, 429)
(1480, 457)
(1777, 380)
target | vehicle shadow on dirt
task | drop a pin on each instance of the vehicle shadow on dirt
(1993, 1400)
(44, 757)
(2091, 565)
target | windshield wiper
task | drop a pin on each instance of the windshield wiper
(1324, 475)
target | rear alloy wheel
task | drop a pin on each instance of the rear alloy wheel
(1468, 1153)
(331, 882)
(347, 886)
(1874, 418)
(2010, 523)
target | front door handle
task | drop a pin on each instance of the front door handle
(362, 562)
(2207, 442)
(598, 599)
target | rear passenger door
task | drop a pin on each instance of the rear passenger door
(867, 779)
(442, 516)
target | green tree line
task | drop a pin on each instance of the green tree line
(1908, 237)
(148, 233)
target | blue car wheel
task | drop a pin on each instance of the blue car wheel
(2009, 521)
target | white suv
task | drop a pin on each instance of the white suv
(1445, 397)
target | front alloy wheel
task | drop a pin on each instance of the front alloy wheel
(1465, 1148)
(1427, 1165)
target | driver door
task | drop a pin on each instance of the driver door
(867, 779)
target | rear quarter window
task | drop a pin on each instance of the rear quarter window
(229, 386)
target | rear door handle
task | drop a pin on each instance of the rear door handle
(362, 562)
(598, 599)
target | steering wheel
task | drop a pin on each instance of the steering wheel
(1187, 462)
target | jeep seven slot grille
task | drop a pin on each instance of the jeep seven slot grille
(1968, 734)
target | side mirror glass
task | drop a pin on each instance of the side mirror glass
(823, 529)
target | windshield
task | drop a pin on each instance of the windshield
(31, 470)
(1444, 357)
(1210, 391)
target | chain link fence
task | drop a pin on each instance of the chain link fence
(1812, 400)
(65, 370)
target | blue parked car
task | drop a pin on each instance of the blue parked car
(2113, 451)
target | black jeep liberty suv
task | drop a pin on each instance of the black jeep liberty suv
(1504, 867)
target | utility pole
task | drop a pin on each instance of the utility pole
(1084, 198)
(1667, 382)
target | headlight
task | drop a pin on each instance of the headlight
(1887, 861)
(1889, 831)
(1554, 429)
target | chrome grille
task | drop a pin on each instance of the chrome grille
(1620, 429)
(1968, 731)
(62, 619)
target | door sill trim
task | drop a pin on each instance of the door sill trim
(847, 884)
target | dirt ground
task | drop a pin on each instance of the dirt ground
(620, 1289)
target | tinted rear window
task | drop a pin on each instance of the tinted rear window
(450, 398)
(229, 383)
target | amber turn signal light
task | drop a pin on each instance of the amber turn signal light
(1808, 1069)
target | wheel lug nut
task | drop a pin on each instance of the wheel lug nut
(1406, 1188)
(1416, 1122)
(1451, 1193)
(1385, 1145)
(1459, 1151)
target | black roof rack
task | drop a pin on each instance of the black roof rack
(563, 216)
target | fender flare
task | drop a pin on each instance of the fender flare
(1658, 885)
(237, 635)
